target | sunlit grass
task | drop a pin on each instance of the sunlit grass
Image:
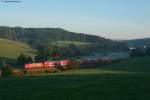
(11, 49)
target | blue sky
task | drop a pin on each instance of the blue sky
(115, 19)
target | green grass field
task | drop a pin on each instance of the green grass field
(66, 43)
(124, 80)
(11, 49)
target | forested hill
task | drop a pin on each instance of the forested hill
(42, 36)
(47, 34)
(139, 42)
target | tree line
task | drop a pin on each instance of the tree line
(37, 37)
(140, 52)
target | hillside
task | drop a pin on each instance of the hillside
(138, 42)
(11, 49)
(46, 36)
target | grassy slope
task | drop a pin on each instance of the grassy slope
(86, 84)
(71, 42)
(67, 43)
(11, 49)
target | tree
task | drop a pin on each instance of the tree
(40, 58)
(148, 51)
(54, 52)
(137, 53)
(64, 52)
(74, 50)
(7, 70)
(23, 59)
(39, 37)
(30, 60)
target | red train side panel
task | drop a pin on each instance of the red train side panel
(65, 62)
(47, 64)
(51, 64)
(34, 65)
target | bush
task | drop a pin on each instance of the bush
(50, 71)
(148, 51)
(0, 72)
(23, 59)
(7, 70)
(137, 53)
(18, 72)
(74, 65)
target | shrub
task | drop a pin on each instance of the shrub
(17, 72)
(75, 65)
(49, 71)
(0, 72)
(7, 70)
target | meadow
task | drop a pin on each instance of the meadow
(124, 80)
(11, 49)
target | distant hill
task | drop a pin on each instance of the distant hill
(138, 42)
(11, 49)
(46, 36)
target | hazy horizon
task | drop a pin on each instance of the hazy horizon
(114, 19)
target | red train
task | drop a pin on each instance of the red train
(33, 65)
(94, 61)
(47, 64)
(65, 63)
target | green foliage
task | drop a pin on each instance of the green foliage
(7, 70)
(74, 65)
(40, 58)
(23, 59)
(137, 53)
(37, 37)
(148, 51)
(138, 42)
(56, 53)
(48, 53)
(140, 51)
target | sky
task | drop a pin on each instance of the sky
(114, 19)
